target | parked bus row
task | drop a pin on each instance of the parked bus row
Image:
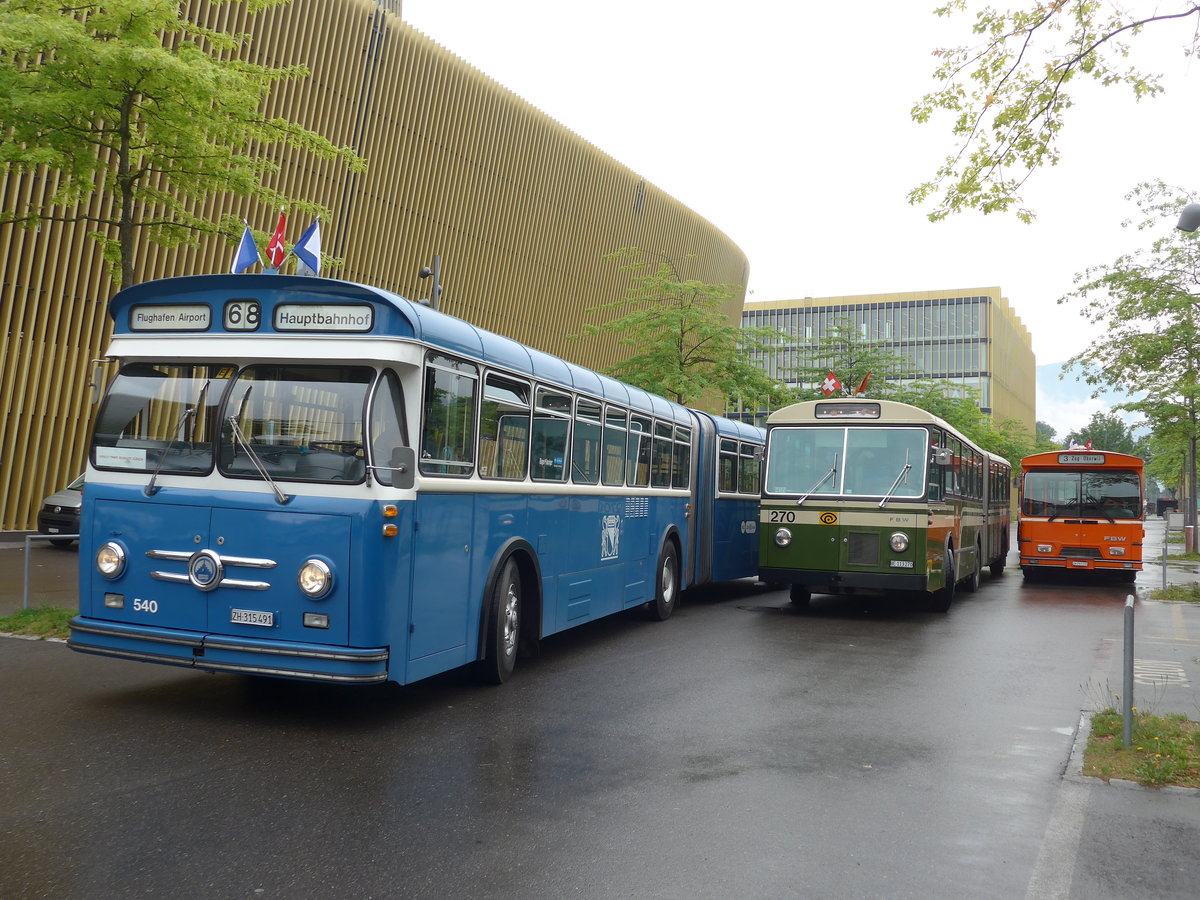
(320, 480)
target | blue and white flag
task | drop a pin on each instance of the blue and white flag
(308, 250)
(247, 253)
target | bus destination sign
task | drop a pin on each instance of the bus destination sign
(175, 317)
(349, 317)
(1075, 458)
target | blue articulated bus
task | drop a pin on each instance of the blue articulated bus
(313, 479)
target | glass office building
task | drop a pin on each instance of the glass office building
(970, 337)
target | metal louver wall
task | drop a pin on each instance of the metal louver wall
(520, 209)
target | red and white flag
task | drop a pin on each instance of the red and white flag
(275, 248)
(830, 385)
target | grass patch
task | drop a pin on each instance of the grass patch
(43, 622)
(1183, 593)
(1165, 749)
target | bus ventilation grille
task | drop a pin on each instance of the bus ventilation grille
(864, 549)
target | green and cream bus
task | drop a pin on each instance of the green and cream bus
(875, 496)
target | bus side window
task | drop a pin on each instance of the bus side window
(727, 466)
(389, 442)
(660, 469)
(585, 455)
(504, 429)
(638, 454)
(448, 416)
(551, 425)
(749, 471)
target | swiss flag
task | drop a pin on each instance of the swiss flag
(275, 250)
(830, 385)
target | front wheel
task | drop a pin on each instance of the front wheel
(940, 600)
(666, 590)
(500, 656)
(800, 595)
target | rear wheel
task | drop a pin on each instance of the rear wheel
(504, 631)
(666, 590)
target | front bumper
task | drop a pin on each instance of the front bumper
(225, 653)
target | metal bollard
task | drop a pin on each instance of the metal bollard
(1127, 692)
(1164, 564)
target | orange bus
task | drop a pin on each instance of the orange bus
(1081, 509)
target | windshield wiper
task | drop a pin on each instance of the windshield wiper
(812, 490)
(152, 488)
(903, 476)
(236, 431)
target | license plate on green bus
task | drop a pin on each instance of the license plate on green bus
(252, 617)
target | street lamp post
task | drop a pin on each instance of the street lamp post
(436, 292)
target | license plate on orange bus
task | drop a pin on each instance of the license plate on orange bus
(1080, 563)
(252, 617)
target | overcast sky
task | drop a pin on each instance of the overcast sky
(787, 125)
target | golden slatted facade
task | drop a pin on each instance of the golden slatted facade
(520, 209)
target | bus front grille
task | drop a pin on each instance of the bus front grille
(863, 549)
(1081, 552)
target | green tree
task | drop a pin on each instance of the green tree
(1147, 303)
(685, 347)
(127, 99)
(1045, 438)
(853, 357)
(1108, 431)
(1008, 92)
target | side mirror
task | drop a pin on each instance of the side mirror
(942, 456)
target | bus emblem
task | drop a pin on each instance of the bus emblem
(205, 570)
(828, 518)
(610, 537)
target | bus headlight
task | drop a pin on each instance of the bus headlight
(783, 537)
(1116, 551)
(898, 541)
(110, 560)
(315, 579)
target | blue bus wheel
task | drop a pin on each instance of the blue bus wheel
(504, 626)
(666, 590)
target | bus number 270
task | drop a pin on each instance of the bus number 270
(782, 515)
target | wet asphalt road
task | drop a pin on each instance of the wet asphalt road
(742, 748)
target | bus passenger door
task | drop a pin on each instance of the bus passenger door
(442, 589)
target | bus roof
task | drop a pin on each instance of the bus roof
(399, 318)
(1082, 459)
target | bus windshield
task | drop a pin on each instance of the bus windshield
(301, 423)
(847, 461)
(161, 417)
(1112, 494)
